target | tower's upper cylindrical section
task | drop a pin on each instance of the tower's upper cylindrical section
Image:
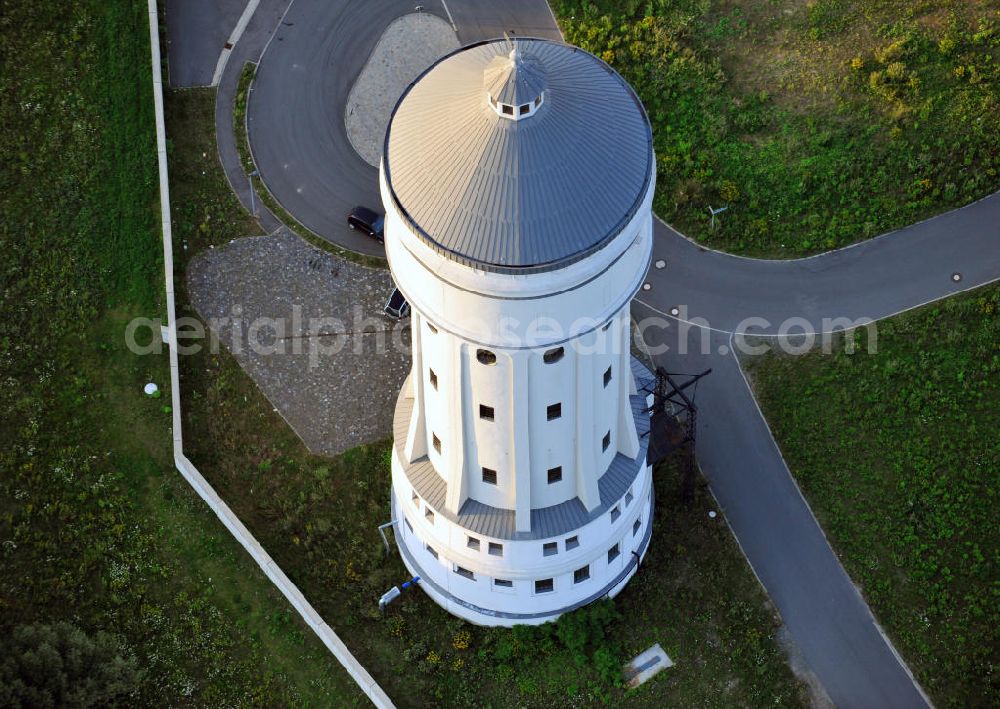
(531, 185)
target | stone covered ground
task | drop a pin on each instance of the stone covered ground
(308, 327)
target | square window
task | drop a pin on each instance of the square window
(486, 412)
(489, 476)
(472, 543)
(550, 549)
(606, 442)
(553, 411)
(507, 109)
(434, 379)
(465, 573)
(496, 549)
(544, 586)
(628, 498)
(613, 553)
(555, 474)
(572, 543)
(431, 551)
(581, 575)
(635, 527)
(525, 107)
(607, 377)
(429, 514)
(503, 583)
(616, 512)
(437, 442)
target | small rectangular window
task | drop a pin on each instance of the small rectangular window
(408, 525)
(572, 543)
(434, 379)
(489, 476)
(507, 110)
(628, 498)
(555, 474)
(606, 442)
(635, 527)
(429, 514)
(581, 575)
(553, 411)
(544, 586)
(550, 549)
(538, 100)
(437, 442)
(496, 549)
(486, 412)
(465, 573)
(416, 499)
(607, 377)
(525, 107)
(432, 328)
(503, 583)
(616, 512)
(472, 543)
(613, 553)
(430, 550)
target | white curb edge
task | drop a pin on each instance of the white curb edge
(305, 610)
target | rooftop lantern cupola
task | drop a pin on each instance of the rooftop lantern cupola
(515, 84)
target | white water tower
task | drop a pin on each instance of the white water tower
(517, 180)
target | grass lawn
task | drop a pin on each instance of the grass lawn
(898, 454)
(96, 527)
(818, 123)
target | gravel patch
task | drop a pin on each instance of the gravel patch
(308, 327)
(407, 47)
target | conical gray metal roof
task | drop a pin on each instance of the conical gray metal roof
(515, 79)
(512, 196)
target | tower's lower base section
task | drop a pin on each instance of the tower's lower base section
(530, 613)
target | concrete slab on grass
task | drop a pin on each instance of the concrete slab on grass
(646, 665)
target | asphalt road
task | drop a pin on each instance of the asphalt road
(197, 30)
(313, 55)
(821, 608)
(296, 112)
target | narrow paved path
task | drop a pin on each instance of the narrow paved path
(196, 34)
(313, 54)
(872, 279)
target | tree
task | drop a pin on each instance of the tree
(58, 665)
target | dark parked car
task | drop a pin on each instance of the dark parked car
(397, 307)
(366, 221)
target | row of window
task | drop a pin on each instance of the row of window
(553, 475)
(548, 548)
(541, 585)
(483, 409)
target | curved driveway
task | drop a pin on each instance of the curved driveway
(301, 148)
